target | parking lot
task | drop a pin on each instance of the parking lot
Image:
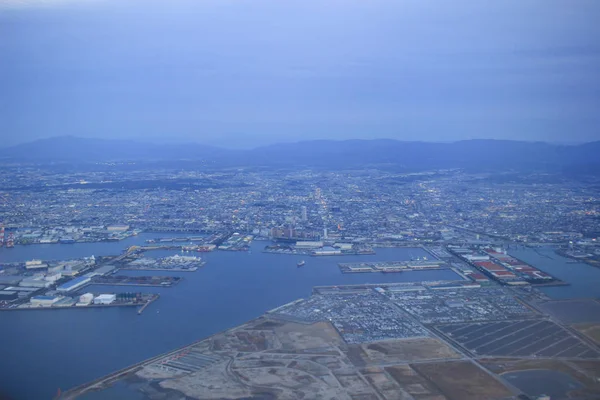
(359, 317)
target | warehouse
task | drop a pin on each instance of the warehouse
(105, 299)
(85, 299)
(35, 282)
(44, 301)
(8, 295)
(74, 284)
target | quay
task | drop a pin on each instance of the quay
(121, 280)
(151, 300)
(390, 266)
(69, 307)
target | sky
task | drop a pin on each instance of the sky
(244, 73)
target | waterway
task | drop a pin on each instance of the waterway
(583, 279)
(46, 350)
(64, 348)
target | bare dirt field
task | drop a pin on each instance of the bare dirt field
(462, 380)
(591, 330)
(392, 351)
(414, 384)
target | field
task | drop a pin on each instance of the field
(414, 384)
(462, 380)
(518, 338)
(407, 350)
(590, 330)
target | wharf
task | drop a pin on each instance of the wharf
(150, 301)
(156, 281)
(71, 307)
(390, 266)
(148, 268)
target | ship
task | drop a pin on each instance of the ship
(301, 263)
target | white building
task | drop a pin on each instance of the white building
(307, 245)
(476, 257)
(53, 277)
(35, 264)
(117, 228)
(343, 246)
(85, 299)
(105, 299)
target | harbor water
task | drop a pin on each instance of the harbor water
(65, 348)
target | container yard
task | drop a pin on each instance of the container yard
(172, 263)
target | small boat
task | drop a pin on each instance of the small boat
(301, 263)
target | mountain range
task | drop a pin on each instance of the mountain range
(470, 154)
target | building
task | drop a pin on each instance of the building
(44, 301)
(105, 299)
(104, 270)
(10, 279)
(327, 252)
(73, 284)
(117, 228)
(8, 295)
(85, 299)
(308, 245)
(56, 268)
(35, 264)
(35, 282)
(343, 246)
(53, 277)
(304, 214)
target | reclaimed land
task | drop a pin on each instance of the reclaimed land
(462, 380)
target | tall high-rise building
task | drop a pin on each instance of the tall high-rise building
(304, 214)
(317, 193)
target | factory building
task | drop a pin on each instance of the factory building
(85, 299)
(53, 277)
(35, 264)
(73, 284)
(307, 245)
(44, 301)
(105, 299)
(35, 282)
(8, 295)
(117, 228)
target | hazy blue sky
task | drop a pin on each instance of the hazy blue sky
(244, 72)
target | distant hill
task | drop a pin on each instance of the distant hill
(480, 155)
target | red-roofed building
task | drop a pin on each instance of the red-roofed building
(503, 274)
(490, 266)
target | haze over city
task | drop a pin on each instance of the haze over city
(243, 74)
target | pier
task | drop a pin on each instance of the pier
(151, 300)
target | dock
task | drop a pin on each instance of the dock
(141, 310)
